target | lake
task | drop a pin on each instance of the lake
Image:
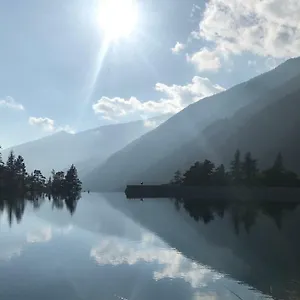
(107, 247)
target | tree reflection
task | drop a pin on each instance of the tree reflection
(241, 214)
(14, 206)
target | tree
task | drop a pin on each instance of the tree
(49, 185)
(1, 161)
(219, 176)
(20, 172)
(16, 182)
(58, 182)
(249, 168)
(177, 179)
(10, 171)
(10, 164)
(235, 168)
(190, 176)
(277, 175)
(206, 171)
(72, 184)
(278, 163)
(39, 180)
(199, 173)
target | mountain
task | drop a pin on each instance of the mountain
(211, 128)
(60, 150)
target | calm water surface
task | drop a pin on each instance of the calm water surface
(114, 248)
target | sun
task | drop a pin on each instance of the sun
(118, 18)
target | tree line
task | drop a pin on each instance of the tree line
(242, 171)
(14, 179)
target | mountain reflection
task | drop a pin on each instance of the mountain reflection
(15, 206)
(242, 214)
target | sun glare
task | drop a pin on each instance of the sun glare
(118, 18)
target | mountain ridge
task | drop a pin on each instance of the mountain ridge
(131, 164)
(61, 149)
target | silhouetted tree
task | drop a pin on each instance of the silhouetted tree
(72, 184)
(277, 175)
(58, 182)
(177, 179)
(249, 169)
(16, 184)
(20, 172)
(15, 180)
(206, 171)
(236, 168)
(241, 172)
(1, 160)
(219, 177)
(199, 174)
(10, 170)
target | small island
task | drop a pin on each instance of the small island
(16, 182)
(243, 181)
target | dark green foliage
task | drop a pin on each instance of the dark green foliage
(220, 177)
(177, 179)
(72, 182)
(244, 172)
(199, 174)
(236, 168)
(249, 169)
(278, 175)
(15, 180)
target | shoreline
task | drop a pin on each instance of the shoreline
(215, 193)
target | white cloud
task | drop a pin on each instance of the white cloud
(48, 125)
(45, 124)
(150, 123)
(266, 28)
(113, 251)
(178, 48)
(176, 97)
(205, 60)
(10, 102)
(40, 235)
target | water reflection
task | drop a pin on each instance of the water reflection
(106, 247)
(256, 243)
(243, 214)
(14, 206)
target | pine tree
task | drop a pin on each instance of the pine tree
(20, 172)
(58, 182)
(206, 171)
(219, 176)
(249, 168)
(72, 184)
(235, 167)
(10, 164)
(10, 171)
(19, 166)
(177, 179)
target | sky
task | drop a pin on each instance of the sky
(74, 65)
